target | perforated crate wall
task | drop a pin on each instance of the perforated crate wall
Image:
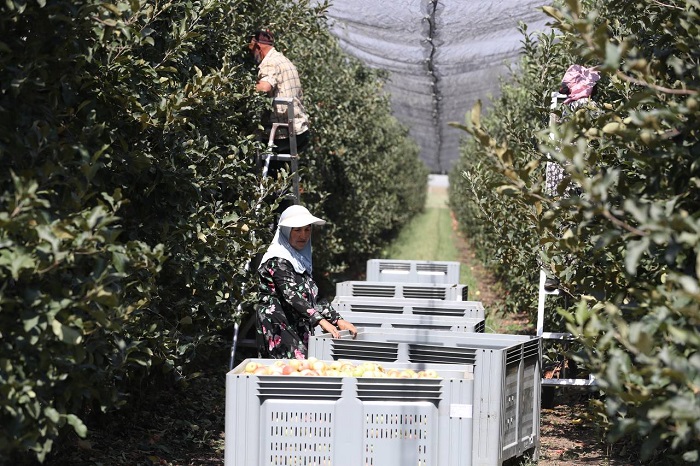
(506, 374)
(401, 306)
(347, 421)
(412, 271)
(409, 321)
(433, 291)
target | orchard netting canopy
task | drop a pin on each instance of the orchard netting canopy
(442, 56)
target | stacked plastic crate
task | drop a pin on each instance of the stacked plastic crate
(482, 409)
(410, 294)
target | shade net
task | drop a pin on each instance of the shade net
(442, 56)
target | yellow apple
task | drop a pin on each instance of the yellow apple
(336, 365)
(318, 366)
(295, 364)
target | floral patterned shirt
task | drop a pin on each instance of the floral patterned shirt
(288, 310)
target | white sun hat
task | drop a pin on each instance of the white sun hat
(298, 216)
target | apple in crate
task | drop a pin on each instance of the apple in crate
(251, 367)
(312, 367)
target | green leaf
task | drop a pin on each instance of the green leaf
(31, 322)
(17, 260)
(476, 114)
(65, 333)
(635, 250)
(113, 8)
(77, 424)
(507, 190)
(613, 127)
(52, 414)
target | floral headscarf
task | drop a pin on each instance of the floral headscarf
(580, 81)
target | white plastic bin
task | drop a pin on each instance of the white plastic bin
(412, 271)
(506, 373)
(401, 321)
(348, 421)
(434, 291)
(398, 306)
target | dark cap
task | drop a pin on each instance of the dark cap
(264, 36)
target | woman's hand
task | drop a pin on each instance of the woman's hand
(345, 325)
(330, 328)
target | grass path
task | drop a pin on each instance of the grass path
(432, 236)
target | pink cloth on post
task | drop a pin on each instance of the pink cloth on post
(580, 81)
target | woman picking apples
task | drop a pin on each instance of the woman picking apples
(288, 309)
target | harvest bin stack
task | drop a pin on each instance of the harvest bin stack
(459, 316)
(409, 271)
(481, 411)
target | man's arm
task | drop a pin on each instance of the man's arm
(264, 86)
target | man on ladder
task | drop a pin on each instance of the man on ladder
(288, 122)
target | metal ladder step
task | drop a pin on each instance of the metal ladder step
(292, 157)
(560, 336)
(589, 382)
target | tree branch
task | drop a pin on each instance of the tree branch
(654, 86)
(621, 224)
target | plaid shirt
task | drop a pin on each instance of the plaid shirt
(282, 75)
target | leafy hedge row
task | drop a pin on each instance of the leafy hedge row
(627, 247)
(128, 194)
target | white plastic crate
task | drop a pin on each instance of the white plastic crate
(412, 271)
(398, 306)
(348, 421)
(434, 291)
(408, 321)
(506, 373)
